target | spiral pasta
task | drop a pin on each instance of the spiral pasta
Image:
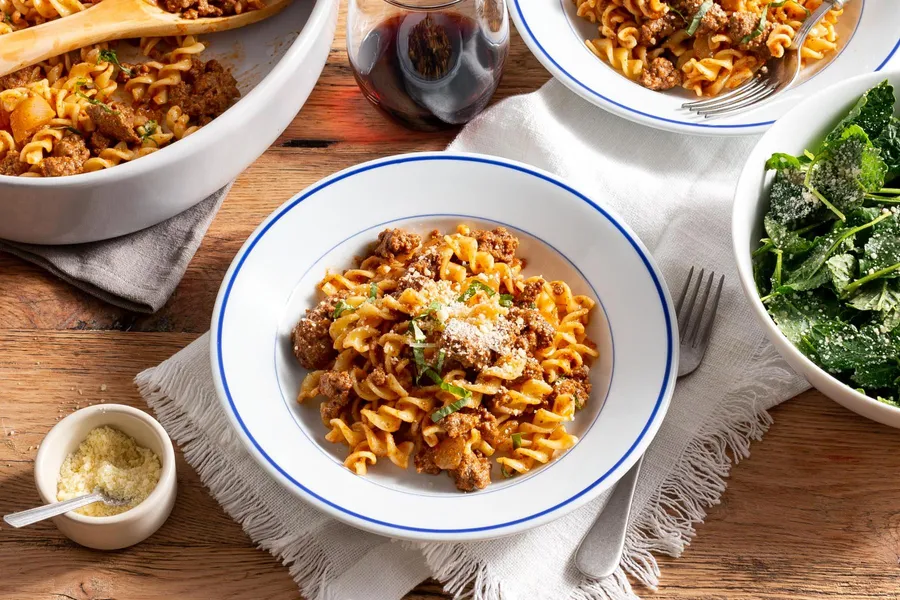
(446, 351)
(706, 48)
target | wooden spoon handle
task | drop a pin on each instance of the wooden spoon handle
(101, 23)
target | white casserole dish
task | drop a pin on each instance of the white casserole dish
(276, 63)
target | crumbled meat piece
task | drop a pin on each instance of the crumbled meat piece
(580, 390)
(714, 20)
(425, 266)
(396, 242)
(532, 370)
(534, 332)
(130, 70)
(530, 293)
(499, 243)
(661, 74)
(20, 78)
(495, 435)
(208, 94)
(425, 461)
(71, 145)
(655, 31)
(379, 377)
(742, 24)
(193, 9)
(335, 386)
(11, 165)
(557, 288)
(312, 345)
(459, 423)
(115, 121)
(60, 166)
(473, 472)
(581, 373)
(487, 425)
(99, 142)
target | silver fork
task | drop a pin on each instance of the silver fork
(601, 549)
(777, 75)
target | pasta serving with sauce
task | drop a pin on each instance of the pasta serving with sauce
(706, 46)
(442, 350)
(87, 110)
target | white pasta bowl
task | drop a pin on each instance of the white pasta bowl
(564, 233)
(867, 40)
(276, 63)
(801, 128)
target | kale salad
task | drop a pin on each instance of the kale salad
(828, 270)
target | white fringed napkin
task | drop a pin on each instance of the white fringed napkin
(675, 191)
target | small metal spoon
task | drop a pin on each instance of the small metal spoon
(33, 515)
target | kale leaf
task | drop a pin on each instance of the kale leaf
(810, 274)
(841, 269)
(848, 169)
(879, 296)
(888, 141)
(790, 203)
(882, 250)
(871, 112)
(838, 346)
(783, 238)
(797, 314)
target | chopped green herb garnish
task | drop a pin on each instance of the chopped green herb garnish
(505, 473)
(73, 130)
(418, 349)
(342, 307)
(439, 363)
(698, 16)
(149, 129)
(474, 288)
(373, 292)
(435, 305)
(448, 410)
(506, 300)
(104, 106)
(761, 26)
(7, 18)
(828, 268)
(516, 440)
(111, 56)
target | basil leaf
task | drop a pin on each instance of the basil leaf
(761, 26)
(506, 300)
(340, 308)
(516, 440)
(97, 102)
(698, 16)
(435, 305)
(448, 410)
(111, 56)
(373, 292)
(473, 288)
(439, 364)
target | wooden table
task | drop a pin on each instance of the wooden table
(814, 513)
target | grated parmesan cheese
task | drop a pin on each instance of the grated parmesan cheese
(112, 461)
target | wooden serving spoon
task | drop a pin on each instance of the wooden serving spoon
(112, 20)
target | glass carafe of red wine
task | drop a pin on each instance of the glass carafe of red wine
(429, 64)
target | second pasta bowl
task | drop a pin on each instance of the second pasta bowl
(454, 360)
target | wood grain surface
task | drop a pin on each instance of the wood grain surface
(814, 513)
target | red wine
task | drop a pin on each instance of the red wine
(429, 70)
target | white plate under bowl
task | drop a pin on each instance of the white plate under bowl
(565, 234)
(802, 128)
(869, 38)
(276, 63)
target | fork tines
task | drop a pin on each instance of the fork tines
(691, 313)
(743, 96)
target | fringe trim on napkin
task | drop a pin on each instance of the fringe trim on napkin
(301, 553)
(667, 523)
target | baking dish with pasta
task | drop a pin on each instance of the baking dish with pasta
(121, 135)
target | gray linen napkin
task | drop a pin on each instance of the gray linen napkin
(138, 271)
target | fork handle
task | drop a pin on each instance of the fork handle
(813, 20)
(601, 549)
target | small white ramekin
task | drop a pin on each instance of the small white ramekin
(131, 526)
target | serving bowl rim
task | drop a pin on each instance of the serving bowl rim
(366, 522)
(206, 136)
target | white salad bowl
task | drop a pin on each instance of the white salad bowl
(276, 63)
(804, 126)
(868, 40)
(564, 235)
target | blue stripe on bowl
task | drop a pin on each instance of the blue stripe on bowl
(667, 377)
